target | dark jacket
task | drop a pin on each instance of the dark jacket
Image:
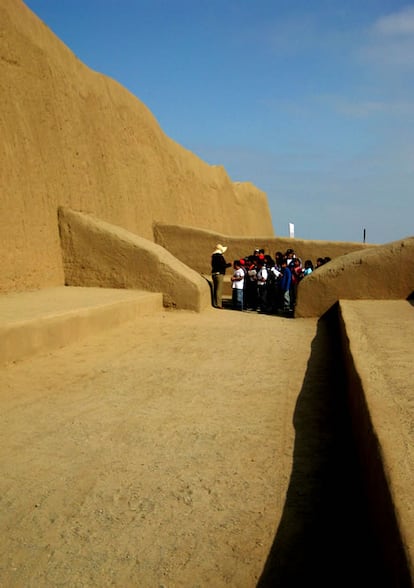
(218, 264)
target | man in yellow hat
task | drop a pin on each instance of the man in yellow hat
(218, 270)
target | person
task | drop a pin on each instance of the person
(285, 282)
(308, 269)
(296, 271)
(262, 284)
(273, 276)
(251, 283)
(218, 270)
(290, 256)
(278, 259)
(237, 285)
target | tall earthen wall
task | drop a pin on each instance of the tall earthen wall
(75, 138)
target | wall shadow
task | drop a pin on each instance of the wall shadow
(210, 285)
(324, 536)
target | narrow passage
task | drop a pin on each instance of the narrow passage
(324, 537)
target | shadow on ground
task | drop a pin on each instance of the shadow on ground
(324, 537)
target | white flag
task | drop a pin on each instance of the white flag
(291, 230)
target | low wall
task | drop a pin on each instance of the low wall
(194, 246)
(379, 398)
(97, 253)
(44, 320)
(384, 272)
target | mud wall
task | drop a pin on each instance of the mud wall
(74, 138)
(194, 246)
(384, 272)
(375, 411)
(99, 254)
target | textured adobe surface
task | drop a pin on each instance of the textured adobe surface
(97, 253)
(72, 137)
(379, 273)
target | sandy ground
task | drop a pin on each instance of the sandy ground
(180, 450)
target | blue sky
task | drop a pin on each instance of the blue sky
(311, 101)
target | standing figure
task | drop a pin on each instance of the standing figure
(273, 276)
(262, 285)
(308, 268)
(296, 271)
(218, 270)
(237, 285)
(251, 284)
(285, 282)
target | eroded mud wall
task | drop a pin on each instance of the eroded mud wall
(194, 246)
(384, 272)
(72, 137)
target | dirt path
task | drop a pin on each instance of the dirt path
(161, 453)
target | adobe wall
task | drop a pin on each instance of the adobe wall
(378, 273)
(74, 138)
(99, 254)
(377, 342)
(194, 246)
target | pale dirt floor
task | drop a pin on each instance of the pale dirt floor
(160, 454)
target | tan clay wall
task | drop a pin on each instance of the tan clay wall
(194, 246)
(380, 273)
(377, 341)
(72, 137)
(97, 253)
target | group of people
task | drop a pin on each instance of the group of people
(259, 282)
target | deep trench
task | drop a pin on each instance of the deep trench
(325, 537)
